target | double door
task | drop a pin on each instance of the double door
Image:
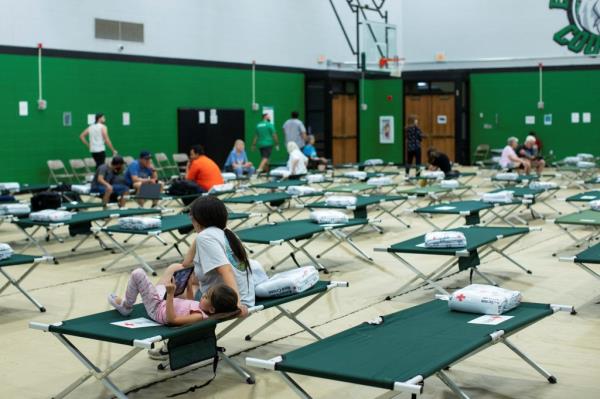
(436, 118)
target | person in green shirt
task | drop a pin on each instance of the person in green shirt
(264, 138)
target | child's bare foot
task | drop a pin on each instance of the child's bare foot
(117, 303)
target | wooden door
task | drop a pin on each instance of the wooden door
(443, 124)
(420, 107)
(436, 118)
(344, 129)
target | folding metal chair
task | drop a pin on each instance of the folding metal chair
(59, 172)
(90, 164)
(162, 162)
(181, 161)
(80, 171)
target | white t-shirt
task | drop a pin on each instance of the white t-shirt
(212, 251)
(507, 153)
(293, 129)
(300, 165)
(96, 139)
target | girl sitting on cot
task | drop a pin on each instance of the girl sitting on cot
(219, 299)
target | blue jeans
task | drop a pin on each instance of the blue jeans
(240, 170)
(118, 189)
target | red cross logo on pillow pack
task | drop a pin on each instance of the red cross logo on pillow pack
(582, 34)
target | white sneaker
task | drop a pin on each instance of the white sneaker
(161, 353)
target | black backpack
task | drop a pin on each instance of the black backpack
(45, 200)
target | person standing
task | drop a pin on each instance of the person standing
(414, 137)
(295, 131)
(98, 139)
(264, 138)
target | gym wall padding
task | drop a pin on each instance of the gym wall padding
(513, 95)
(151, 93)
(376, 97)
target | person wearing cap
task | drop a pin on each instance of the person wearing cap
(202, 170)
(108, 182)
(265, 138)
(509, 158)
(530, 152)
(98, 139)
(141, 171)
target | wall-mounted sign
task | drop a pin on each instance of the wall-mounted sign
(442, 119)
(386, 129)
(582, 34)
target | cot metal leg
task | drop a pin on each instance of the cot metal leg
(15, 283)
(175, 245)
(33, 241)
(484, 276)
(131, 252)
(341, 238)
(583, 266)
(501, 252)
(302, 249)
(551, 379)
(391, 213)
(84, 239)
(93, 370)
(425, 278)
(245, 374)
(438, 273)
(451, 384)
(293, 316)
(298, 390)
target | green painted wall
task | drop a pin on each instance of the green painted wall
(505, 99)
(376, 97)
(150, 92)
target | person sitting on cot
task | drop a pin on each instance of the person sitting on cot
(237, 161)
(440, 161)
(297, 161)
(219, 299)
(314, 161)
(529, 151)
(509, 159)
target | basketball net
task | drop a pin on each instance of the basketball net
(394, 64)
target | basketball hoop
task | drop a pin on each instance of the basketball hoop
(394, 64)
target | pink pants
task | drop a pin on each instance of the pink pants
(152, 297)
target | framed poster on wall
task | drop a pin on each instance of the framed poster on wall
(386, 129)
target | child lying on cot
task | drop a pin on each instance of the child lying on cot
(219, 299)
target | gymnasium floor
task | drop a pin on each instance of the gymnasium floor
(35, 365)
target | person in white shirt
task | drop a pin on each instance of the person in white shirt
(98, 139)
(295, 131)
(297, 161)
(509, 158)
